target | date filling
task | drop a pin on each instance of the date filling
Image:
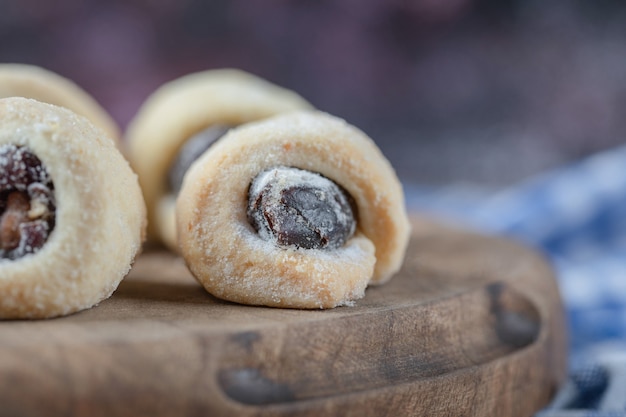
(190, 151)
(297, 208)
(27, 204)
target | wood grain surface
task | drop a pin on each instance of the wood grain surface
(471, 326)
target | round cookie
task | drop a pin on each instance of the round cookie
(20, 80)
(99, 218)
(227, 255)
(181, 109)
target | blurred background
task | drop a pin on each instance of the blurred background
(454, 91)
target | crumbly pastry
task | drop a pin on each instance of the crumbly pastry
(203, 106)
(72, 214)
(243, 248)
(20, 80)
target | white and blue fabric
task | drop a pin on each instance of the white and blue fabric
(577, 216)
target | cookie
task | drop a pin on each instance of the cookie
(180, 120)
(19, 80)
(72, 214)
(300, 210)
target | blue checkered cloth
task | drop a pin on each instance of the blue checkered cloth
(577, 216)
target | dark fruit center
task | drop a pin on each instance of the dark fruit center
(27, 204)
(190, 151)
(294, 207)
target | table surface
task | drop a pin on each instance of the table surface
(472, 325)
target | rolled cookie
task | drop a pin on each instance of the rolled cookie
(72, 215)
(235, 262)
(19, 80)
(182, 109)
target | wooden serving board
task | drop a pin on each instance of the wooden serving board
(472, 326)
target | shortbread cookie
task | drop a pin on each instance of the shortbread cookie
(19, 80)
(72, 214)
(300, 210)
(181, 120)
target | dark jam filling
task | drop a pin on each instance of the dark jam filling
(297, 208)
(27, 205)
(190, 151)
